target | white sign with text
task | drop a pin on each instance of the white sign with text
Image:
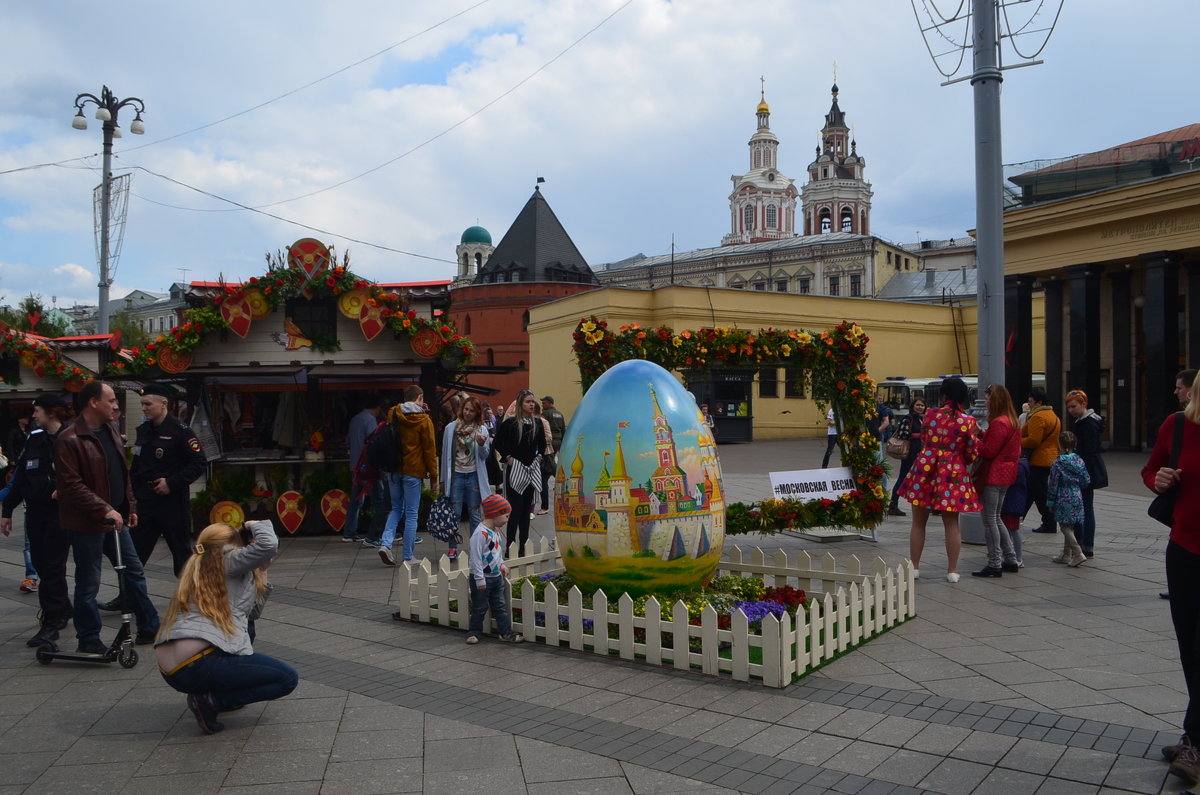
(812, 484)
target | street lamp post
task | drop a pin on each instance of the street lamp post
(107, 108)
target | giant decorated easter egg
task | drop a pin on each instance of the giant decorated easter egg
(639, 502)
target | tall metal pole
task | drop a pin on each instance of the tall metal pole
(989, 209)
(105, 196)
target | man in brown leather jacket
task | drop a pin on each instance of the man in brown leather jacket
(94, 488)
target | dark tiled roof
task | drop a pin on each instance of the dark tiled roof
(537, 248)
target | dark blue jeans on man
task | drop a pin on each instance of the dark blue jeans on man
(495, 597)
(235, 680)
(377, 494)
(89, 550)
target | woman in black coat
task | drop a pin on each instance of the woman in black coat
(1088, 427)
(521, 443)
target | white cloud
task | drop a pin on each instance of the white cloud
(637, 127)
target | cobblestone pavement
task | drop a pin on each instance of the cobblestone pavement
(1053, 680)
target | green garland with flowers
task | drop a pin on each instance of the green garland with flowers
(18, 345)
(834, 361)
(280, 283)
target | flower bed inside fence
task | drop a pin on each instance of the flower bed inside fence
(844, 606)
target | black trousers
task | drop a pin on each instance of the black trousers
(829, 445)
(905, 465)
(165, 516)
(1039, 479)
(1183, 581)
(518, 523)
(49, 547)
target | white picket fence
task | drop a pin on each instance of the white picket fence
(847, 606)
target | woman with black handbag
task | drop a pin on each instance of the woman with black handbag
(1088, 427)
(908, 429)
(1174, 468)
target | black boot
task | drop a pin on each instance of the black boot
(48, 632)
(894, 510)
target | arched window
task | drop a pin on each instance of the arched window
(862, 223)
(525, 323)
(772, 217)
(478, 259)
(826, 222)
(847, 219)
(747, 218)
(465, 260)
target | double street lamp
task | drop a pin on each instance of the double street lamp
(107, 108)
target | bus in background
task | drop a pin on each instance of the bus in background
(897, 392)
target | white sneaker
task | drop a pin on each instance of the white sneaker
(1021, 564)
(952, 577)
(385, 554)
(916, 574)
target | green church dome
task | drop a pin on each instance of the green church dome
(476, 234)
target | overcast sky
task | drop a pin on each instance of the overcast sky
(636, 126)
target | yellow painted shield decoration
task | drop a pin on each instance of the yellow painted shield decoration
(227, 512)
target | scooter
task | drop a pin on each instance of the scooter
(121, 650)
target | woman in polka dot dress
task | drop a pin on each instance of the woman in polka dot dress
(940, 479)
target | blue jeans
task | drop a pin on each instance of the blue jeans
(89, 549)
(1087, 530)
(464, 490)
(235, 680)
(30, 571)
(377, 497)
(406, 502)
(493, 596)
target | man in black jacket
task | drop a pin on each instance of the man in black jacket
(167, 458)
(33, 483)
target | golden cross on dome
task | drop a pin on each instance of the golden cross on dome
(835, 71)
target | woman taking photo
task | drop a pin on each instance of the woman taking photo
(1088, 427)
(908, 427)
(521, 442)
(466, 446)
(1177, 469)
(940, 480)
(998, 452)
(204, 648)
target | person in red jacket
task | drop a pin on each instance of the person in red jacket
(998, 453)
(1183, 567)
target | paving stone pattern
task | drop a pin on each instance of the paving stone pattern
(1054, 680)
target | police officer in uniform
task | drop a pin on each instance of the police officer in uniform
(33, 483)
(166, 459)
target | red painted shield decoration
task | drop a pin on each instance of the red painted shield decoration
(426, 343)
(172, 361)
(370, 320)
(290, 509)
(237, 314)
(309, 255)
(334, 505)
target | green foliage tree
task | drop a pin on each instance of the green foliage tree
(32, 306)
(132, 333)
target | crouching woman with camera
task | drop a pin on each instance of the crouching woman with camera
(204, 648)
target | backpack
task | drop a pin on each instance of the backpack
(381, 446)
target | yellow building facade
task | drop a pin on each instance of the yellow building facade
(906, 339)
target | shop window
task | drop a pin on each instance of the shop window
(315, 318)
(768, 382)
(793, 384)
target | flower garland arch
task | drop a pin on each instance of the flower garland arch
(282, 281)
(834, 361)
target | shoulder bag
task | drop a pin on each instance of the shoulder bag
(1163, 506)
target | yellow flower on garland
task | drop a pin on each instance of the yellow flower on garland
(587, 327)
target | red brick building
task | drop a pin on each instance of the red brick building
(535, 262)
